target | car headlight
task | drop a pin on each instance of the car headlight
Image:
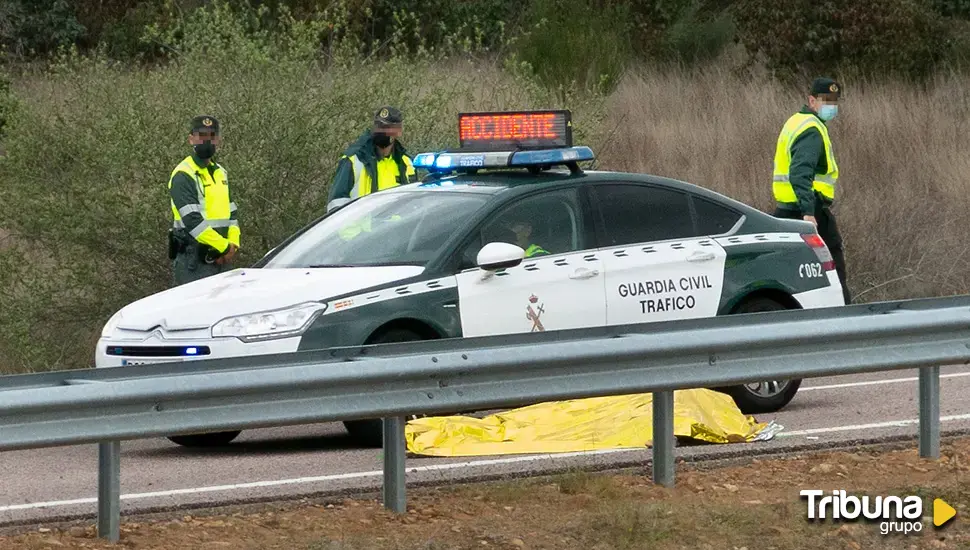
(267, 325)
(111, 325)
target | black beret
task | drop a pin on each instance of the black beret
(388, 116)
(823, 86)
(204, 122)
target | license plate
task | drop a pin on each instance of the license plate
(131, 362)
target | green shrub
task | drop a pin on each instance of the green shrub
(576, 42)
(953, 8)
(411, 26)
(683, 31)
(29, 27)
(92, 144)
(865, 37)
(695, 36)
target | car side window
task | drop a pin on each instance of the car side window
(712, 218)
(547, 223)
(634, 213)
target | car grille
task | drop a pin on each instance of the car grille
(157, 351)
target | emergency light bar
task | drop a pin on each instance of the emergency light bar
(450, 161)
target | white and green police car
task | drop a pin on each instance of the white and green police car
(506, 234)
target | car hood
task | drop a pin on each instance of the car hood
(202, 303)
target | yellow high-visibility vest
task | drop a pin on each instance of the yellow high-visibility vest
(217, 228)
(823, 183)
(388, 175)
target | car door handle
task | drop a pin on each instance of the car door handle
(583, 273)
(700, 257)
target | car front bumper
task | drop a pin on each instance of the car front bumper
(124, 352)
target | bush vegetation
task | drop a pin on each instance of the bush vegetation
(96, 97)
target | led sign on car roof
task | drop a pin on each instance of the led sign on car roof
(520, 139)
(506, 131)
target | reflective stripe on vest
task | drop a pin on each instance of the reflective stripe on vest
(213, 196)
(533, 250)
(823, 183)
(388, 175)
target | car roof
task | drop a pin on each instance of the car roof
(511, 180)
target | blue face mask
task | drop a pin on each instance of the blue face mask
(828, 112)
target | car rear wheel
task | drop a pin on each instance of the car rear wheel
(214, 439)
(767, 395)
(370, 431)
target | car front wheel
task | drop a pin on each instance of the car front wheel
(370, 431)
(768, 395)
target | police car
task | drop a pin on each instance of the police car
(505, 234)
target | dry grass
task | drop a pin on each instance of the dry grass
(902, 201)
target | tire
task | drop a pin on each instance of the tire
(370, 431)
(214, 439)
(766, 396)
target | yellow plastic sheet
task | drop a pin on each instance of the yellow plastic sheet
(583, 425)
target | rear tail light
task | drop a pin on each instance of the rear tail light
(816, 243)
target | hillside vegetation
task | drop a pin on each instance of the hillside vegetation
(96, 98)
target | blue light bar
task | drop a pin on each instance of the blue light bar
(424, 160)
(551, 156)
(191, 351)
(451, 161)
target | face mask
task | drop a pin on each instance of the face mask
(205, 150)
(828, 112)
(382, 140)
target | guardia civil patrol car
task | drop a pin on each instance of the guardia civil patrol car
(505, 234)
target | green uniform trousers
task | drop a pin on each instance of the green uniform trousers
(188, 267)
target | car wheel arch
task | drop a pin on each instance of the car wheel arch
(426, 329)
(775, 294)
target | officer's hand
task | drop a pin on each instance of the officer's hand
(230, 252)
(810, 219)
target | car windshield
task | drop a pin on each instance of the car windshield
(402, 228)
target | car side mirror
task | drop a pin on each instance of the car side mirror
(499, 255)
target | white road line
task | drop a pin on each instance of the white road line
(874, 382)
(873, 426)
(442, 467)
(333, 477)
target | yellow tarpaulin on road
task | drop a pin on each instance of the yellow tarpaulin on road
(624, 421)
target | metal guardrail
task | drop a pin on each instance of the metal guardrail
(391, 381)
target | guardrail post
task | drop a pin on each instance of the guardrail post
(394, 458)
(929, 412)
(109, 490)
(663, 438)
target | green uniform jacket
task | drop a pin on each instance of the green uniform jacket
(343, 180)
(807, 159)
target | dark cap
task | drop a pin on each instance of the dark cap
(204, 122)
(388, 116)
(826, 86)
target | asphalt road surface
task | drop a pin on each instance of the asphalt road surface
(61, 483)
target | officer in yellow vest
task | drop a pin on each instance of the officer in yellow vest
(806, 174)
(515, 228)
(523, 232)
(376, 161)
(205, 230)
